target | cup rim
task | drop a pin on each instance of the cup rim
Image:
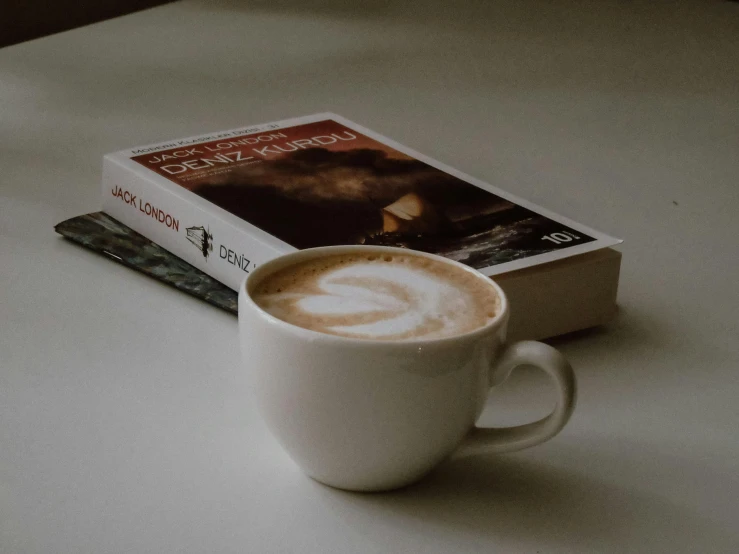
(311, 253)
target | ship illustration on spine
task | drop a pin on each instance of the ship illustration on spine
(202, 239)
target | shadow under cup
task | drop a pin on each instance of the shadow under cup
(365, 414)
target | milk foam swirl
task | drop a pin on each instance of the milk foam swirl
(378, 297)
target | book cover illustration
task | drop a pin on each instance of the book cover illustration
(326, 181)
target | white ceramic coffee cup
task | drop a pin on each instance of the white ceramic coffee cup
(369, 415)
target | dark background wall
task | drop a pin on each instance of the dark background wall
(22, 20)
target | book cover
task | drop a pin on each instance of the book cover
(228, 201)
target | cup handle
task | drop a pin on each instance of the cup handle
(509, 439)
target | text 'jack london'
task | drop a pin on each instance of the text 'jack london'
(146, 208)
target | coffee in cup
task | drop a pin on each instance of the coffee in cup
(371, 364)
(380, 297)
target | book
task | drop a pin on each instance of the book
(565, 296)
(110, 238)
(226, 202)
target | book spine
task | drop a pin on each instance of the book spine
(185, 228)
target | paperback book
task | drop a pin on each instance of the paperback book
(229, 201)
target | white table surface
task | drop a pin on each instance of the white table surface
(126, 423)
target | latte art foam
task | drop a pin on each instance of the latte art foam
(378, 296)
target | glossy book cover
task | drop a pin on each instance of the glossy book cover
(323, 180)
